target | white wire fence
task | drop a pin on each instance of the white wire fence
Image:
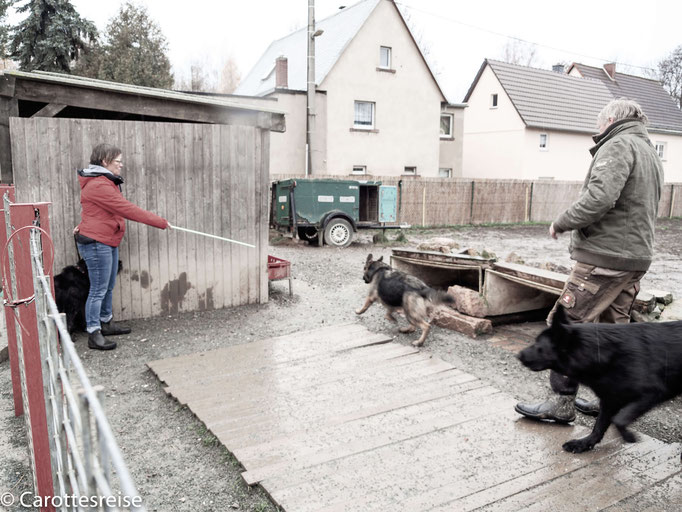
(87, 467)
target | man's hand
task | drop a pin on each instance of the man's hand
(552, 233)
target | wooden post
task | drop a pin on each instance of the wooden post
(7, 193)
(9, 107)
(35, 404)
(424, 206)
(672, 201)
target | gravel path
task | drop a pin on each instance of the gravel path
(178, 465)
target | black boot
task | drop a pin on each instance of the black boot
(591, 408)
(111, 329)
(97, 342)
(559, 408)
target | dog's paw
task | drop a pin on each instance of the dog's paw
(627, 435)
(578, 445)
(408, 328)
(359, 311)
(417, 343)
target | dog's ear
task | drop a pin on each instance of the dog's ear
(369, 258)
(381, 258)
(560, 319)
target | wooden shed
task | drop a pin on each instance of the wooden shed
(199, 161)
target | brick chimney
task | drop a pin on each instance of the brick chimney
(558, 68)
(610, 69)
(281, 73)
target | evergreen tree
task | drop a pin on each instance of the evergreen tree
(4, 28)
(134, 51)
(52, 36)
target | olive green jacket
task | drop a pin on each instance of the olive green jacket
(613, 221)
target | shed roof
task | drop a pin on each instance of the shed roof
(55, 92)
(557, 101)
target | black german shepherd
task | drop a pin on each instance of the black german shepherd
(399, 291)
(630, 367)
(71, 288)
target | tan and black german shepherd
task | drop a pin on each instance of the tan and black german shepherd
(401, 292)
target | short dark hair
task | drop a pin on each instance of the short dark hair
(102, 152)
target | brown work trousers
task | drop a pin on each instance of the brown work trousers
(594, 294)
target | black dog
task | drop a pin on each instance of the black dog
(399, 291)
(630, 367)
(71, 288)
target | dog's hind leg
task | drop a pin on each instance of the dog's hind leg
(425, 327)
(587, 443)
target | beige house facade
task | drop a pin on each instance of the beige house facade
(526, 123)
(379, 109)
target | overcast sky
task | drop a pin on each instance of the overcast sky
(458, 34)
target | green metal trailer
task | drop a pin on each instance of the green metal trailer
(330, 211)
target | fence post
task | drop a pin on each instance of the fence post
(31, 362)
(7, 192)
(471, 203)
(672, 200)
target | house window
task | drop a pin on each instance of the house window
(660, 149)
(364, 114)
(385, 57)
(359, 169)
(445, 173)
(411, 171)
(493, 101)
(446, 126)
(544, 142)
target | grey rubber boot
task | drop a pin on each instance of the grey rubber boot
(559, 408)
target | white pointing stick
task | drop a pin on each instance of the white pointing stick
(210, 236)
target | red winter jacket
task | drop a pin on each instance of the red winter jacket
(104, 211)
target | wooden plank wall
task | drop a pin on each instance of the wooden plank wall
(460, 201)
(211, 178)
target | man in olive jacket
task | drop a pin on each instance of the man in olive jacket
(612, 239)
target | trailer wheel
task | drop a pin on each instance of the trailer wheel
(338, 233)
(309, 234)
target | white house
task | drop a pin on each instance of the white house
(379, 109)
(532, 123)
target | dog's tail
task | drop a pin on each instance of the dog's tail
(441, 297)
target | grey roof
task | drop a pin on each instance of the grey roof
(550, 100)
(339, 30)
(657, 104)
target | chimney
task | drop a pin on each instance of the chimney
(610, 69)
(281, 73)
(558, 68)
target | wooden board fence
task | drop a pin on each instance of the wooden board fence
(212, 178)
(460, 201)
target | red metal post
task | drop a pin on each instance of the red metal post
(25, 215)
(9, 317)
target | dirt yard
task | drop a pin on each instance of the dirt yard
(178, 465)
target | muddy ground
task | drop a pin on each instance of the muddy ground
(178, 465)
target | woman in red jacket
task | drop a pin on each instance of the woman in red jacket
(104, 210)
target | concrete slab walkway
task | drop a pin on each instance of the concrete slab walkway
(340, 418)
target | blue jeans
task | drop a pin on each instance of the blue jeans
(102, 262)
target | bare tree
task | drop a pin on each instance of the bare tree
(229, 76)
(201, 78)
(670, 74)
(519, 52)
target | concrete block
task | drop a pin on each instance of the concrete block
(468, 301)
(473, 327)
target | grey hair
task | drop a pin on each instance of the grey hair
(622, 108)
